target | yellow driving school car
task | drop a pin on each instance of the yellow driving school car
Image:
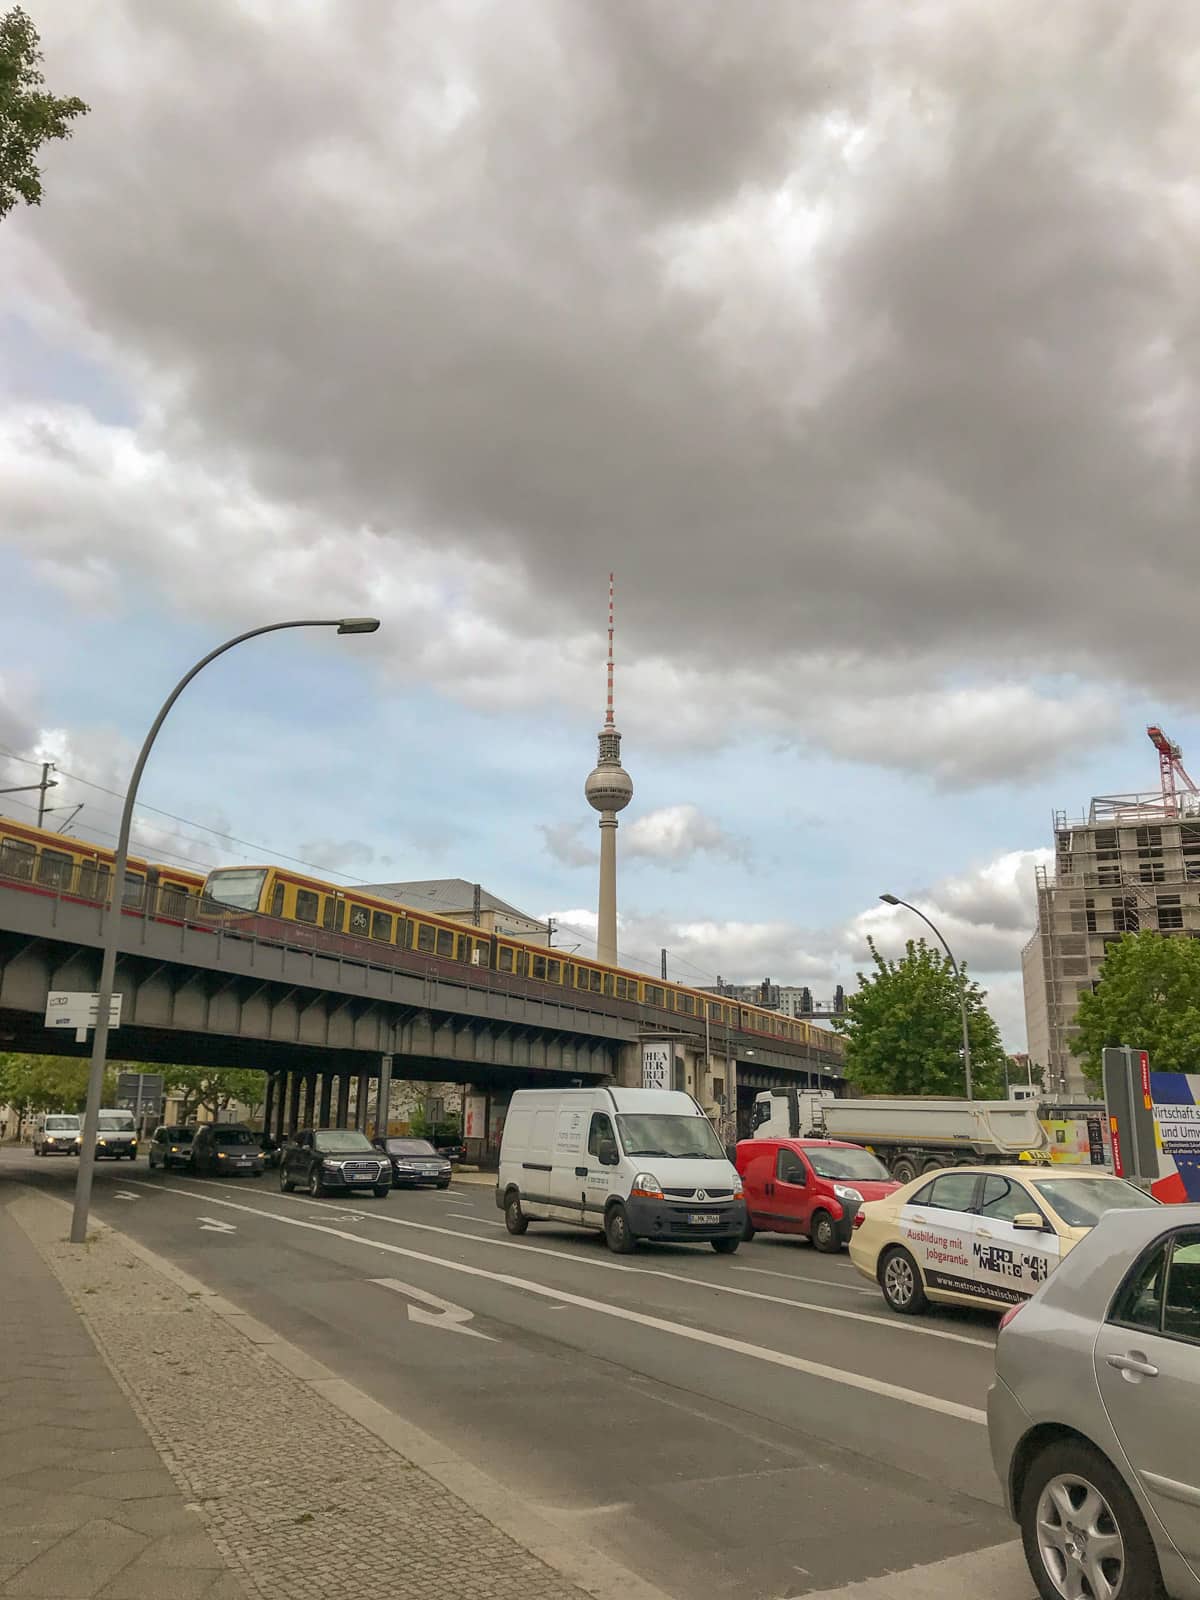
(981, 1236)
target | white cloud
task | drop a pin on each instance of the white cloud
(565, 844)
(672, 835)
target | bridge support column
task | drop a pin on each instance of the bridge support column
(360, 1109)
(310, 1099)
(383, 1097)
(343, 1099)
(326, 1091)
(269, 1101)
(281, 1108)
(293, 1096)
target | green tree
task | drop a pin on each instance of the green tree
(1148, 996)
(29, 116)
(33, 1083)
(903, 1029)
(214, 1089)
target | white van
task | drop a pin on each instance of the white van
(116, 1135)
(56, 1133)
(631, 1163)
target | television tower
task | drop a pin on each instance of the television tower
(609, 789)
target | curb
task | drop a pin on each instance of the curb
(536, 1531)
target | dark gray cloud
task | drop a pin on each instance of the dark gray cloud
(859, 339)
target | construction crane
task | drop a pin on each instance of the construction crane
(1172, 772)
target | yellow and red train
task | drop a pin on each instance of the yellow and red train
(62, 865)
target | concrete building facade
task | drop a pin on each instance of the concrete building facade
(1133, 865)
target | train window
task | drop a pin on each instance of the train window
(523, 963)
(307, 905)
(686, 1003)
(445, 942)
(553, 971)
(597, 981)
(462, 951)
(54, 869)
(335, 913)
(539, 966)
(715, 1011)
(360, 920)
(404, 933)
(17, 859)
(654, 996)
(277, 900)
(622, 988)
(93, 880)
(504, 958)
(135, 888)
(381, 926)
(426, 937)
(608, 984)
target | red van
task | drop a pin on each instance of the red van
(809, 1186)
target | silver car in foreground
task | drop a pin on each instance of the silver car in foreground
(1094, 1415)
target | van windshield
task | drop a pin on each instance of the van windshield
(669, 1136)
(829, 1161)
(62, 1124)
(117, 1122)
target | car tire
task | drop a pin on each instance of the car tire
(748, 1231)
(315, 1187)
(618, 1235)
(515, 1219)
(904, 1170)
(900, 1280)
(445, 1185)
(725, 1247)
(1076, 1468)
(382, 1191)
(286, 1186)
(824, 1234)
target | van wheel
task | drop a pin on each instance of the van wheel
(905, 1170)
(900, 1280)
(515, 1219)
(747, 1230)
(617, 1233)
(824, 1235)
(725, 1247)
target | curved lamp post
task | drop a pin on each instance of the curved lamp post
(112, 914)
(893, 900)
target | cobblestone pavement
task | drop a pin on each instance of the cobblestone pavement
(295, 1494)
(87, 1508)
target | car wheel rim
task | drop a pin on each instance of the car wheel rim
(898, 1281)
(1079, 1540)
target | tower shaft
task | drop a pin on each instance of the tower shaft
(606, 922)
(609, 789)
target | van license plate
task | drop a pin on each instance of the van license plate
(706, 1219)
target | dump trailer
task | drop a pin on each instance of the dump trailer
(909, 1135)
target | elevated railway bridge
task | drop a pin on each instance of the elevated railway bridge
(330, 1027)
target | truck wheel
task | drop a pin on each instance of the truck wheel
(900, 1280)
(725, 1247)
(515, 1219)
(824, 1235)
(932, 1165)
(905, 1170)
(617, 1233)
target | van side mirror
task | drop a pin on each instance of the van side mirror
(606, 1153)
(1030, 1222)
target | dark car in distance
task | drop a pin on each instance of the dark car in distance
(416, 1164)
(171, 1146)
(222, 1149)
(334, 1161)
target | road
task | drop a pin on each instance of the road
(757, 1426)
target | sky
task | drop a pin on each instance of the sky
(858, 341)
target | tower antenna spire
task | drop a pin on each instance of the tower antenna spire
(608, 715)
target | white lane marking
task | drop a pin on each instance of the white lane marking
(212, 1225)
(444, 1315)
(124, 1194)
(463, 1216)
(898, 1324)
(793, 1277)
(718, 1341)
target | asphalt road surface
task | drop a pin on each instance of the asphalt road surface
(754, 1426)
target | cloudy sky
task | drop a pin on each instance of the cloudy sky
(859, 340)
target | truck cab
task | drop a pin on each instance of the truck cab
(809, 1187)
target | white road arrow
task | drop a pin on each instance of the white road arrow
(211, 1225)
(444, 1315)
(124, 1194)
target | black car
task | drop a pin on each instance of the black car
(333, 1160)
(226, 1148)
(416, 1164)
(171, 1146)
(270, 1150)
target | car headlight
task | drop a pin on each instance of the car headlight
(739, 1188)
(850, 1197)
(331, 1166)
(174, 1149)
(647, 1187)
(101, 1141)
(220, 1155)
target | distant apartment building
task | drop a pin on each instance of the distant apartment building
(792, 999)
(1133, 865)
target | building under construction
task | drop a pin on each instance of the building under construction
(1132, 866)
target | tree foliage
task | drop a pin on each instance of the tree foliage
(1148, 997)
(31, 1083)
(214, 1089)
(903, 1029)
(29, 115)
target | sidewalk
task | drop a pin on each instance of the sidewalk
(197, 1455)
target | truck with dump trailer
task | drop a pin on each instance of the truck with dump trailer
(909, 1135)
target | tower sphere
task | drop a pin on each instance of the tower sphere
(609, 788)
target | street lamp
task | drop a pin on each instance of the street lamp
(111, 915)
(893, 900)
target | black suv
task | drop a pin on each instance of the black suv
(416, 1164)
(222, 1148)
(332, 1160)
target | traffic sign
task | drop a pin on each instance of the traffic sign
(68, 1008)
